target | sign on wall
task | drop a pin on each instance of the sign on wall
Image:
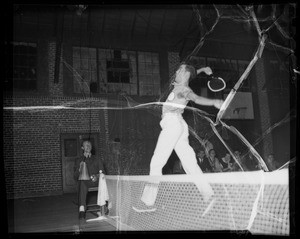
(241, 106)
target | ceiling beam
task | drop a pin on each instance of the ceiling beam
(120, 17)
(103, 22)
(148, 22)
(176, 23)
(162, 23)
(133, 25)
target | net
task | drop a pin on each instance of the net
(256, 201)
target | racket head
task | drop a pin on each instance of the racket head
(216, 84)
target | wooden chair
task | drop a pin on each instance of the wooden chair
(92, 205)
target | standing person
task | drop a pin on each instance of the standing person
(227, 163)
(87, 170)
(236, 166)
(251, 163)
(207, 145)
(175, 132)
(203, 161)
(272, 163)
(214, 161)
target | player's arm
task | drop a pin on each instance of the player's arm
(199, 100)
(207, 70)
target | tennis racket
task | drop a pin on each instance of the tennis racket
(216, 84)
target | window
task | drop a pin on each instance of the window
(148, 72)
(85, 71)
(230, 70)
(22, 74)
(118, 69)
(113, 71)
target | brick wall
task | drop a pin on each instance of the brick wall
(32, 147)
(32, 156)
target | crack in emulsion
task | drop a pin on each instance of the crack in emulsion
(242, 14)
(237, 13)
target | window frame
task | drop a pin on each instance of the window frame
(235, 68)
(10, 84)
(104, 86)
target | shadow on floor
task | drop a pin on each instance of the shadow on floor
(50, 214)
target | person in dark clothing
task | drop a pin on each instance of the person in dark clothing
(272, 163)
(203, 162)
(227, 163)
(214, 162)
(87, 170)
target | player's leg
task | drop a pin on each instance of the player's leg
(188, 160)
(171, 131)
(82, 193)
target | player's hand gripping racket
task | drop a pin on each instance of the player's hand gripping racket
(214, 83)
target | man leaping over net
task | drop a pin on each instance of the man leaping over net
(174, 133)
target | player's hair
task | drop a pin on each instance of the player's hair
(192, 71)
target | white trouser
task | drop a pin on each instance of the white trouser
(174, 135)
